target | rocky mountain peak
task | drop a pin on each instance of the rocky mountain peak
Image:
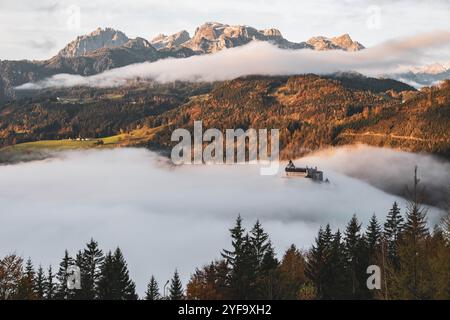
(275, 33)
(209, 31)
(99, 38)
(163, 41)
(138, 43)
(210, 37)
(214, 36)
(343, 42)
(434, 68)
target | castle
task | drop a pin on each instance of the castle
(312, 173)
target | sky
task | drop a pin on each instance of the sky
(165, 217)
(39, 29)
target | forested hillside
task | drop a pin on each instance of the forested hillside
(315, 112)
(312, 112)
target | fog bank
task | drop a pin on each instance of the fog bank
(388, 169)
(166, 217)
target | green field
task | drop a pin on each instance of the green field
(64, 144)
(40, 149)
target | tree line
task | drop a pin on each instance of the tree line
(414, 263)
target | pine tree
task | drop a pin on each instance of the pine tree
(328, 235)
(318, 261)
(29, 270)
(152, 292)
(106, 285)
(338, 279)
(50, 286)
(392, 232)
(114, 282)
(260, 264)
(269, 261)
(127, 286)
(40, 283)
(354, 250)
(237, 235)
(416, 225)
(245, 272)
(314, 267)
(333, 269)
(267, 281)
(176, 288)
(373, 237)
(259, 241)
(79, 294)
(438, 269)
(63, 292)
(394, 223)
(89, 262)
(409, 282)
(412, 252)
(242, 261)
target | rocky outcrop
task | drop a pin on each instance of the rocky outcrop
(168, 42)
(100, 38)
(213, 36)
(343, 42)
(138, 43)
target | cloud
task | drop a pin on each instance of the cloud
(44, 45)
(265, 59)
(379, 168)
(166, 217)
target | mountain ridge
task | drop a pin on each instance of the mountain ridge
(97, 39)
(312, 112)
(426, 75)
(107, 48)
(211, 37)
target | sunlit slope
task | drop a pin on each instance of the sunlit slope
(39, 148)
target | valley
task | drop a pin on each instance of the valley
(302, 156)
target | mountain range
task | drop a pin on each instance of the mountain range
(424, 76)
(213, 36)
(105, 49)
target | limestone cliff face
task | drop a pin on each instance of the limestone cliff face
(167, 42)
(213, 36)
(100, 38)
(343, 42)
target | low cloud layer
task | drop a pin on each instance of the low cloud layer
(266, 59)
(167, 217)
(389, 170)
